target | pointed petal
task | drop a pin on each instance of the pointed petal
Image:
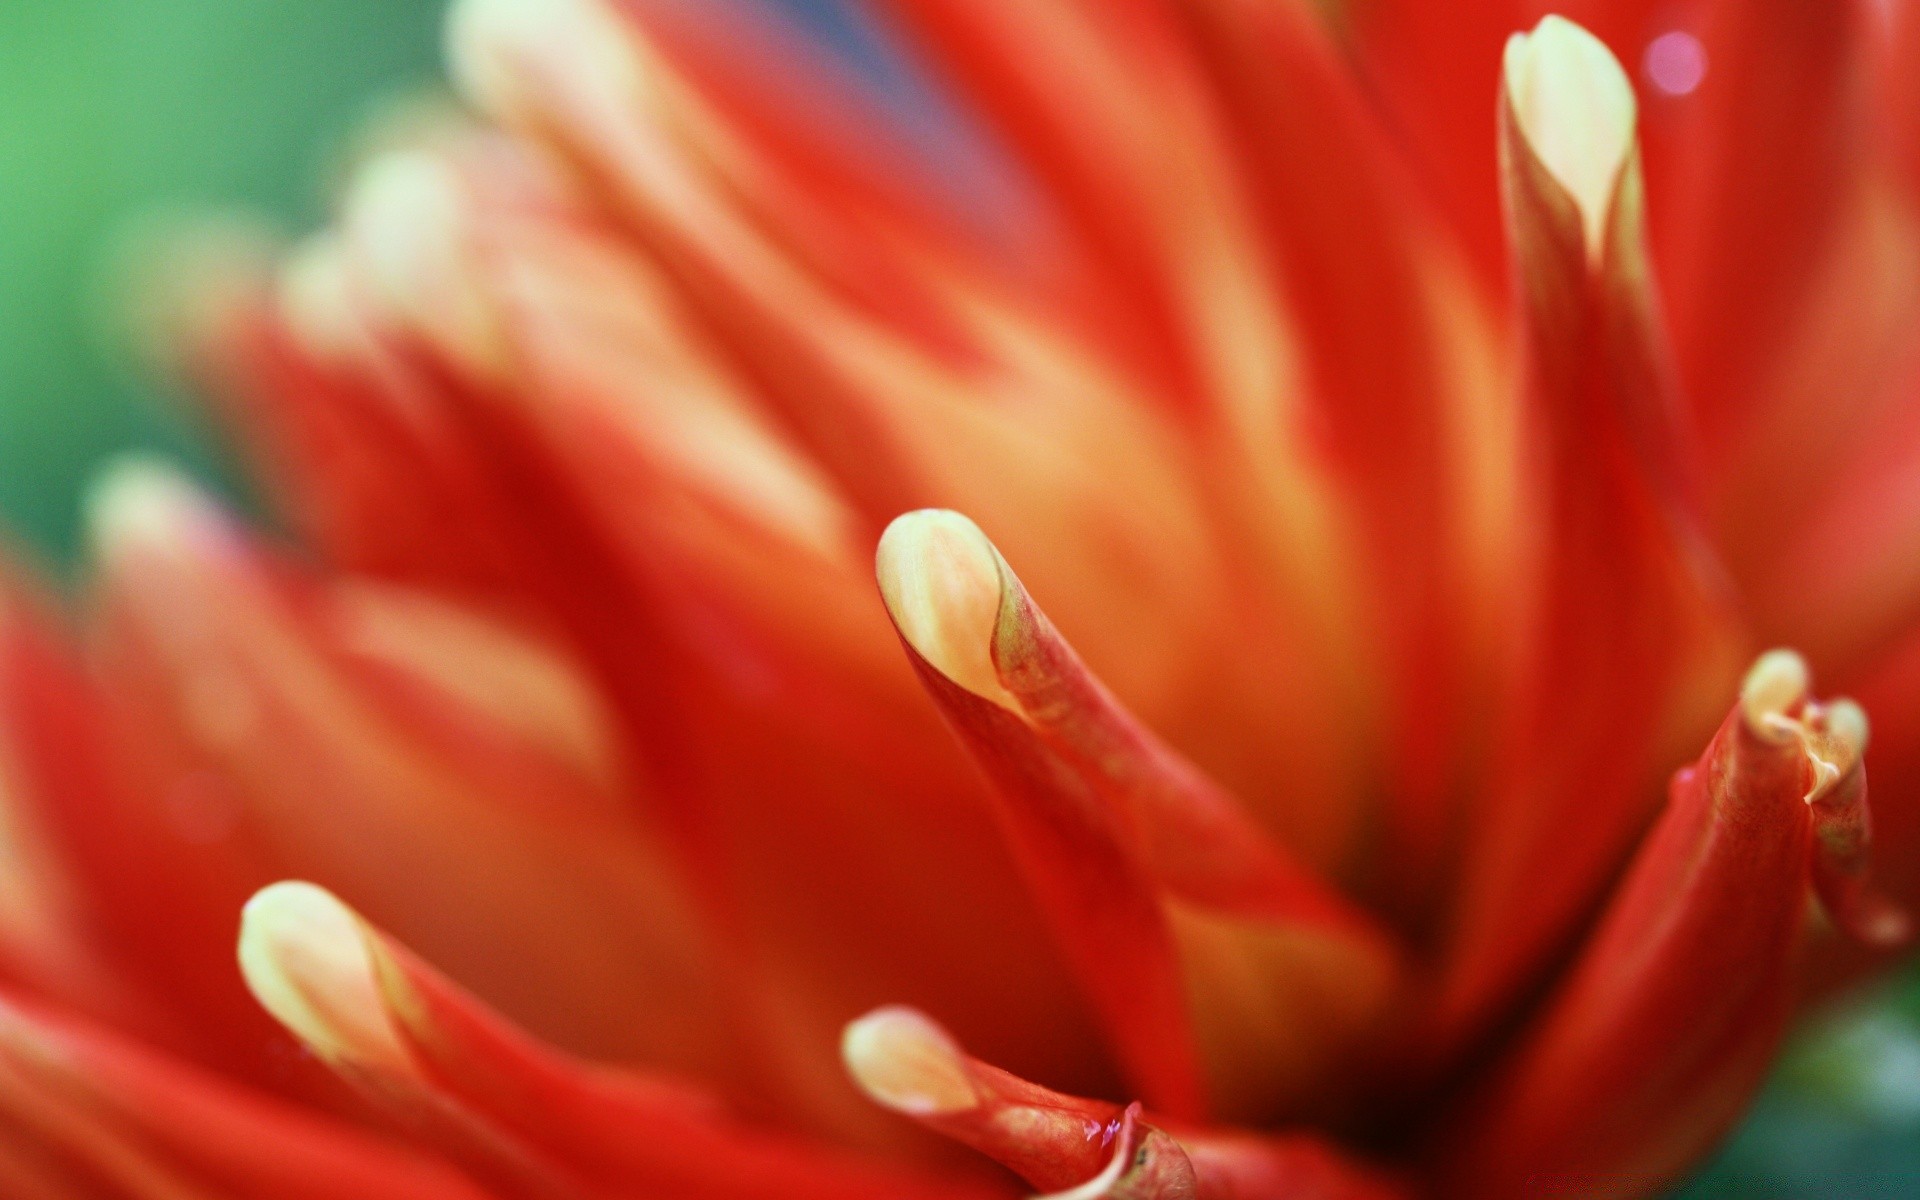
(1620, 613)
(1144, 866)
(1078, 1148)
(1675, 1008)
(521, 1116)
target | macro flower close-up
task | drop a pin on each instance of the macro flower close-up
(1152, 599)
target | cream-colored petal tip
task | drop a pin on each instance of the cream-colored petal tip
(1847, 725)
(906, 1062)
(942, 582)
(306, 958)
(1576, 108)
(1775, 684)
(406, 213)
(142, 504)
(493, 45)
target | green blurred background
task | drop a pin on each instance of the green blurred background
(110, 109)
(114, 108)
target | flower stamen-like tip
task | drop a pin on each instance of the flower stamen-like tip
(1777, 708)
(307, 959)
(943, 586)
(905, 1062)
(1576, 108)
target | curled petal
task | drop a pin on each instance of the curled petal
(1080, 1149)
(1675, 1008)
(520, 1116)
(1152, 875)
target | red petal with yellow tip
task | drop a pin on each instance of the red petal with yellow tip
(1619, 610)
(1148, 871)
(522, 1117)
(1082, 1149)
(1675, 1007)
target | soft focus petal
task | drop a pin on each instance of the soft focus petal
(103, 1116)
(1772, 158)
(313, 730)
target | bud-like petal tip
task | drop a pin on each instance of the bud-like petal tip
(141, 504)
(497, 49)
(907, 1063)
(313, 294)
(307, 960)
(411, 224)
(943, 585)
(1576, 109)
(1776, 684)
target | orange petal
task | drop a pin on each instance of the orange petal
(1149, 872)
(1619, 612)
(106, 1113)
(520, 1116)
(1675, 1008)
(1075, 1148)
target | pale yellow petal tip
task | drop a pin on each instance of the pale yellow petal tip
(906, 1062)
(313, 292)
(1576, 108)
(497, 50)
(140, 505)
(1776, 684)
(307, 959)
(406, 216)
(942, 582)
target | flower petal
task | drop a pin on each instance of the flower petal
(1152, 876)
(1621, 604)
(1772, 155)
(1365, 266)
(520, 1116)
(1081, 1149)
(1675, 1008)
(302, 740)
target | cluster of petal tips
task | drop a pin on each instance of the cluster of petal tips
(1384, 460)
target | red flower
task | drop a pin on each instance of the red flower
(1403, 548)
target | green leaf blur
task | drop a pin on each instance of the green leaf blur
(114, 108)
